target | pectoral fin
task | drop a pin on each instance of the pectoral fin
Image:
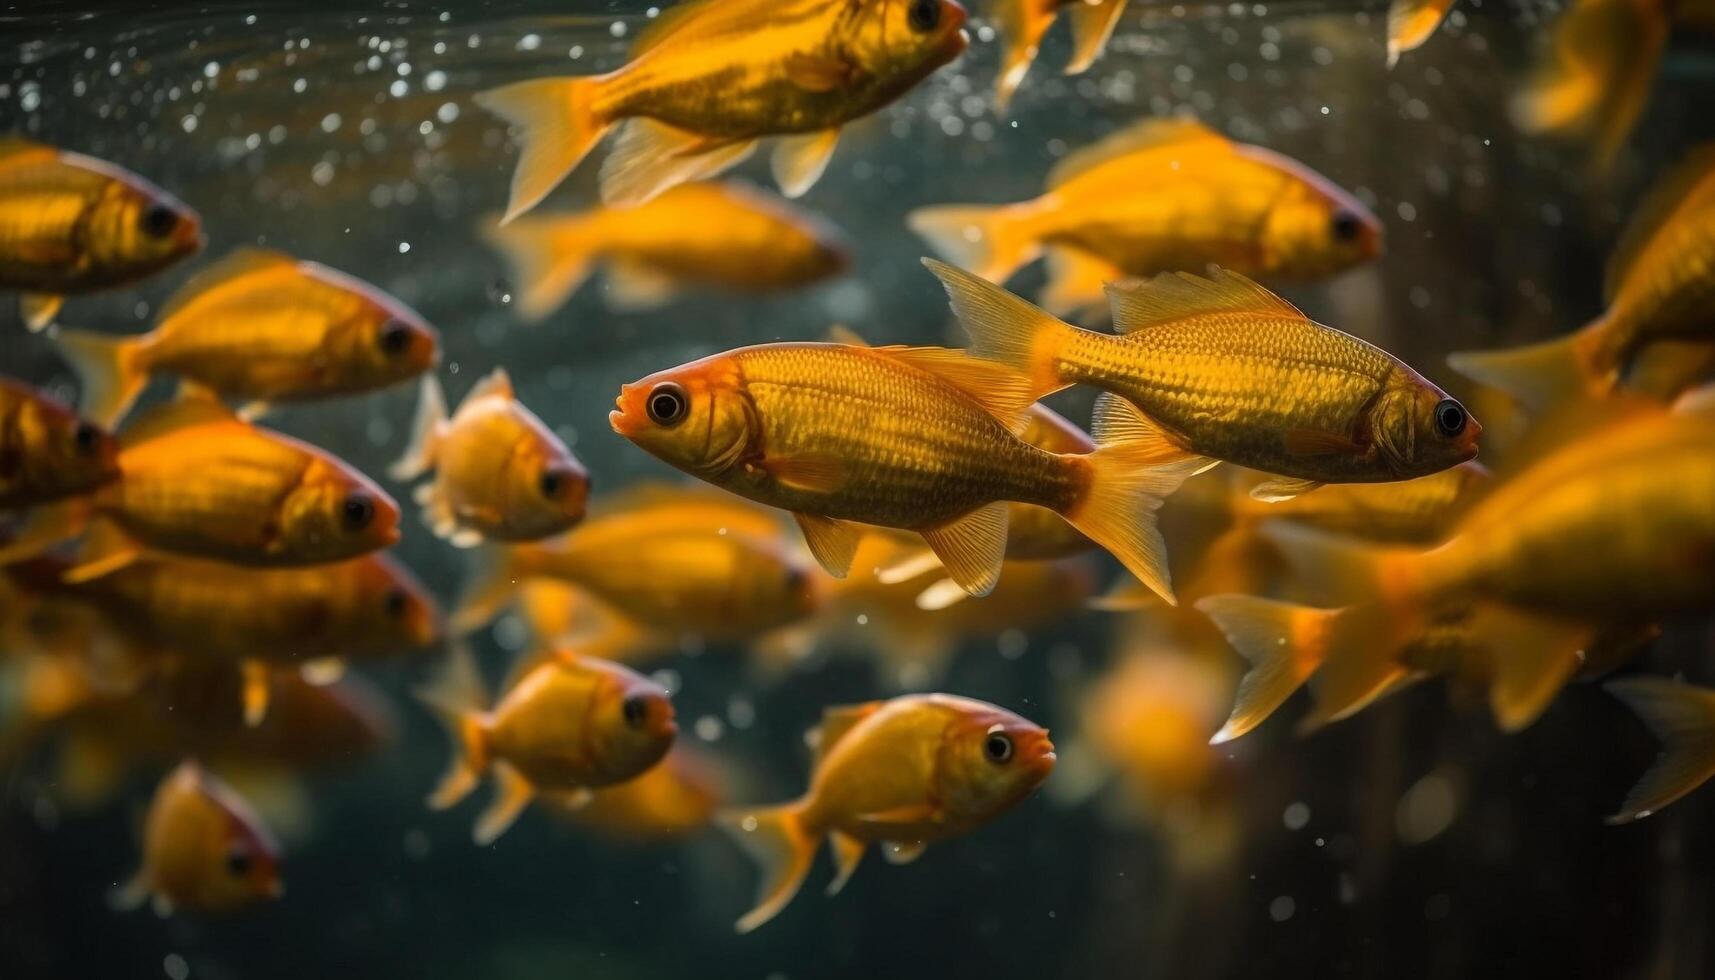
(799, 161)
(912, 815)
(817, 73)
(1275, 490)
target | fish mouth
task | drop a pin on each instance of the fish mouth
(618, 418)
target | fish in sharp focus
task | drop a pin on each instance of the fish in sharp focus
(499, 473)
(71, 224)
(47, 452)
(204, 849)
(1161, 196)
(914, 438)
(1223, 369)
(903, 774)
(1023, 23)
(712, 77)
(569, 726)
(1412, 22)
(727, 235)
(259, 326)
(1660, 288)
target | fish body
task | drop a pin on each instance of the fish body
(47, 453)
(1417, 511)
(674, 798)
(204, 849)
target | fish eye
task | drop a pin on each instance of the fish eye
(1346, 226)
(359, 510)
(667, 404)
(395, 337)
(997, 747)
(636, 709)
(1449, 418)
(238, 862)
(552, 481)
(924, 15)
(158, 221)
(396, 602)
(86, 438)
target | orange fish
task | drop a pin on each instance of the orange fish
(713, 77)
(1412, 22)
(904, 774)
(47, 453)
(674, 798)
(259, 326)
(73, 224)
(204, 849)
(1024, 22)
(570, 725)
(500, 474)
(728, 235)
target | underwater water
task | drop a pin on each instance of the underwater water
(1412, 840)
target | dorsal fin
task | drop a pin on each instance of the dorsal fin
(1002, 392)
(240, 263)
(194, 406)
(11, 146)
(1149, 134)
(496, 382)
(1690, 184)
(1176, 295)
(839, 333)
(836, 723)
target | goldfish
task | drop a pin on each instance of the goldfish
(259, 326)
(71, 224)
(197, 481)
(1682, 716)
(500, 474)
(1024, 22)
(569, 726)
(1149, 718)
(1222, 369)
(1415, 511)
(1660, 288)
(1412, 22)
(729, 235)
(712, 77)
(676, 797)
(47, 452)
(905, 774)
(204, 849)
(1164, 195)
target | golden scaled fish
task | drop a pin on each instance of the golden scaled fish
(47, 452)
(904, 774)
(259, 326)
(1660, 288)
(713, 77)
(71, 224)
(569, 726)
(1412, 22)
(674, 798)
(915, 438)
(197, 481)
(204, 849)
(1024, 22)
(1223, 369)
(1161, 196)
(1682, 716)
(499, 473)
(727, 235)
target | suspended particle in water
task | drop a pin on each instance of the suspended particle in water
(500, 292)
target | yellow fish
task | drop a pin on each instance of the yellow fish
(1417, 511)
(500, 474)
(204, 849)
(728, 235)
(1024, 22)
(1683, 718)
(712, 78)
(674, 798)
(259, 326)
(1164, 195)
(1412, 22)
(47, 453)
(905, 774)
(73, 224)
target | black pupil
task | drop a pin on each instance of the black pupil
(238, 863)
(395, 337)
(1346, 226)
(666, 405)
(925, 14)
(359, 511)
(550, 483)
(159, 220)
(998, 747)
(636, 710)
(86, 437)
(395, 602)
(1450, 417)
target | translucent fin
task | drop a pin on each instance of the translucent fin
(130, 896)
(837, 722)
(426, 429)
(1531, 658)
(991, 242)
(1116, 420)
(1410, 23)
(1341, 570)
(1280, 488)
(776, 838)
(941, 594)
(1361, 663)
(1284, 644)
(496, 571)
(108, 369)
(818, 73)
(456, 696)
(832, 542)
(39, 309)
(1539, 375)
(651, 157)
(633, 286)
(1002, 392)
(548, 258)
(799, 161)
(848, 853)
(1683, 718)
(1077, 281)
(512, 793)
(815, 472)
(1173, 296)
(257, 688)
(1005, 328)
(44, 527)
(972, 547)
(1022, 23)
(555, 124)
(195, 406)
(1149, 134)
(1093, 22)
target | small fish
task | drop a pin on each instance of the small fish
(571, 725)
(914, 438)
(1223, 369)
(71, 224)
(712, 77)
(1412, 22)
(904, 774)
(1660, 288)
(1148, 719)
(1024, 22)
(728, 235)
(500, 474)
(674, 798)
(1164, 195)
(204, 849)
(47, 453)
(259, 326)
(1683, 718)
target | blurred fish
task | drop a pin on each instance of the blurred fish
(712, 77)
(500, 474)
(1660, 288)
(1024, 22)
(1412, 22)
(914, 438)
(47, 453)
(674, 798)
(203, 849)
(1223, 369)
(259, 326)
(1683, 718)
(1162, 196)
(569, 726)
(73, 224)
(728, 235)
(1417, 511)
(904, 774)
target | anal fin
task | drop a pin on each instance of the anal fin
(512, 793)
(832, 542)
(972, 547)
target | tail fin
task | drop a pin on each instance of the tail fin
(1284, 643)
(425, 432)
(457, 698)
(1022, 23)
(496, 573)
(1410, 23)
(556, 126)
(550, 257)
(1005, 328)
(1539, 375)
(776, 838)
(991, 242)
(1093, 22)
(109, 370)
(1683, 717)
